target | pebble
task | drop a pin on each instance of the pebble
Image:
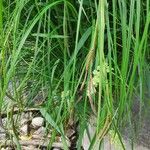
(2, 136)
(27, 115)
(24, 129)
(7, 148)
(40, 131)
(56, 148)
(29, 147)
(37, 122)
(24, 121)
(70, 132)
(2, 130)
(4, 121)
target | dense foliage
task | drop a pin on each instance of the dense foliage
(86, 58)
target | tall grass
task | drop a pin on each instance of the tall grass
(89, 56)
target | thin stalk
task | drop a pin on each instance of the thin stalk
(115, 47)
(1, 19)
(76, 43)
(100, 51)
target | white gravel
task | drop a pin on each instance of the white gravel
(37, 122)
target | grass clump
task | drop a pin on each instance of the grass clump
(85, 57)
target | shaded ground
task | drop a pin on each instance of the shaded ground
(141, 123)
(136, 136)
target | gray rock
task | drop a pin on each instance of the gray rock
(2, 136)
(56, 148)
(23, 121)
(37, 122)
(24, 129)
(40, 132)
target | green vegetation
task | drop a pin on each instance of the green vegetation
(88, 57)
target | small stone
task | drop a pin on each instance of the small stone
(27, 115)
(7, 148)
(4, 121)
(24, 129)
(2, 136)
(24, 121)
(23, 116)
(70, 132)
(29, 147)
(2, 130)
(56, 148)
(40, 131)
(37, 122)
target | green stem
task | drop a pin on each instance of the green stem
(1, 18)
